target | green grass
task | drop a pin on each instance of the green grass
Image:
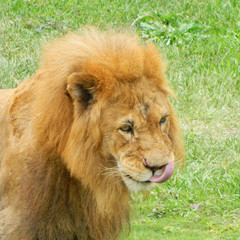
(200, 41)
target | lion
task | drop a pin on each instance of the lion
(91, 126)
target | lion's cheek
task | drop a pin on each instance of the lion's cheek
(132, 167)
(116, 146)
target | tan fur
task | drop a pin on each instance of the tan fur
(65, 160)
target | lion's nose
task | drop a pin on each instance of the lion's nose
(155, 168)
(152, 168)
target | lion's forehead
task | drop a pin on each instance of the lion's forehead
(142, 109)
(143, 113)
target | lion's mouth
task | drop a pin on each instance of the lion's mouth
(167, 172)
(129, 177)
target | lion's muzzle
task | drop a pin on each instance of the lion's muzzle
(167, 173)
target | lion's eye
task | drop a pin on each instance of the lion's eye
(126, 128)
(163, 120)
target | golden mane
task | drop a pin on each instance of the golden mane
(58, 185)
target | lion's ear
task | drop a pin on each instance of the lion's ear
(81, 87)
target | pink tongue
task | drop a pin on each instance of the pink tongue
(167, 173)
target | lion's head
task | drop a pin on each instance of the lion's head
(110, 103)
(136, 136)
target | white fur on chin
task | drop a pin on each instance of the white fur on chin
(134, 186)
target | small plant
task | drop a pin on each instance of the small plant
(171, 29)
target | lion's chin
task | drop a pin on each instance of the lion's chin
(135, 186)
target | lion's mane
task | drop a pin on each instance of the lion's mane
(51, 183)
